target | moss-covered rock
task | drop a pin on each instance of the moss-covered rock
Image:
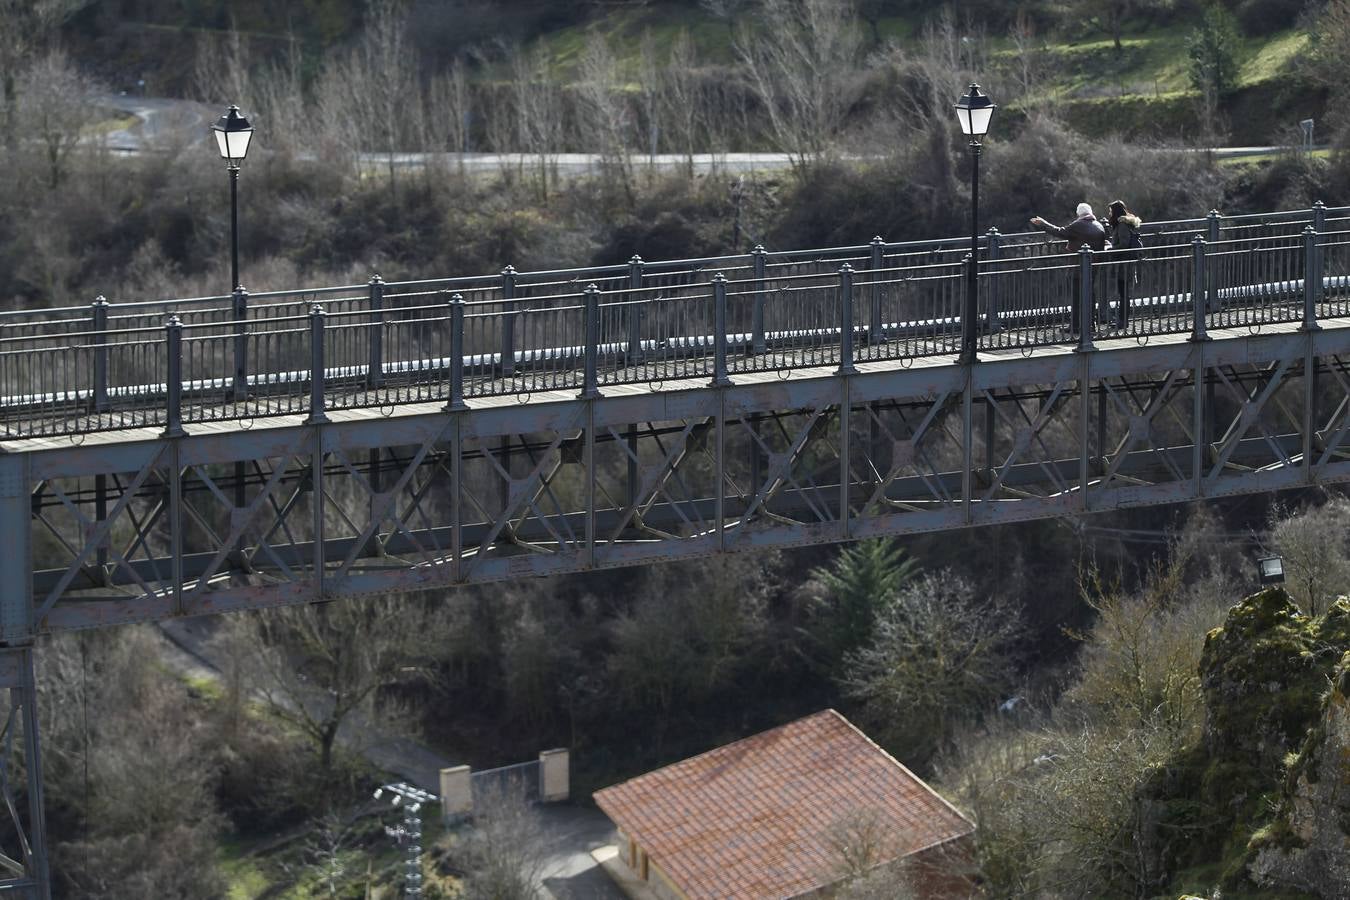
(1262, 682)
(1264, 676)
(1307, 845)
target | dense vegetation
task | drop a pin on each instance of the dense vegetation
(1054, 690)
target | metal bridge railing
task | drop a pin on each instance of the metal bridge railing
(524, 334)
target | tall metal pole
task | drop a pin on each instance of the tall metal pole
(234, 226)
(969, 325)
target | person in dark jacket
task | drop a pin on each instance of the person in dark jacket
(1122, 227)
(1083, 230)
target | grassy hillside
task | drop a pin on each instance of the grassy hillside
(1141, 89)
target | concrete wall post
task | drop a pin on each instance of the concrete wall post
(456, 793)
(555, 783)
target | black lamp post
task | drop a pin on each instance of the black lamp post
(233, 133)
(974, 110)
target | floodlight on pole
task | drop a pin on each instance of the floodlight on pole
(1270, 569)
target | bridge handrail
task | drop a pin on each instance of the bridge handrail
(170, 305)
(774, 312)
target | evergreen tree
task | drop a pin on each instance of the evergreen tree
(1212, 49)
(864, 578)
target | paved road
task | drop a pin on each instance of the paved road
(163, 121)
(569, 871)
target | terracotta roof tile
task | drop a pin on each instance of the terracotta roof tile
(754, 818)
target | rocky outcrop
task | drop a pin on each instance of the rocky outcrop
(1255, 792)
(1263, 676)
(1307, 846)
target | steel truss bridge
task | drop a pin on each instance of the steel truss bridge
(185, 457)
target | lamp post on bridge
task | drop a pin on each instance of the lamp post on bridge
(974, 110)
(233, 133)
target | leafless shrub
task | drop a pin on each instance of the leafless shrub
(503, 855)
(605, 118)
(1315, 544)
(939, 654)
(125, 751)
(802, 71)
(57, 103)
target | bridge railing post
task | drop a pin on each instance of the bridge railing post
(375, 366)
(757, 342)
(876, 332)
(590, 377)
(719, 284)
(1312, 279)
(993, 241)
(1213, 234)
(1085, 318)
(239, 302)
(1199, 290)
(508, 321)
(1319, 216)
(99, 314)
(633, 311)
(456, 401)
(317, 400)
(846, 366)
(173, 378)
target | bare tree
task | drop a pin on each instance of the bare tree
(127, 759)
(946, 55)
(279, 95)
(328, 851)
(387, 78)
(318, 667)
(57, 104)
(26, 27)
(222, 68)
(1315, 545)
(1028, 67)
(649, 92)
(1141, 659)
(938, 654)
(606, 119)
(803, 70)
(538, 109)
(504, 854)
(449, 110)
(680, 98)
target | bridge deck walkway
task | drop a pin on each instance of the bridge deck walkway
(283, 420)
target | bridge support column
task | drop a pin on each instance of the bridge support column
(457, 498)
(845, 451)
(25, 873)
(1084, 427)
(1202, 408)
(1309, 422)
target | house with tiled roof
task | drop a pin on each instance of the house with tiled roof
(791, 812)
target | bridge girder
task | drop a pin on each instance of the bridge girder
(146, 528)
